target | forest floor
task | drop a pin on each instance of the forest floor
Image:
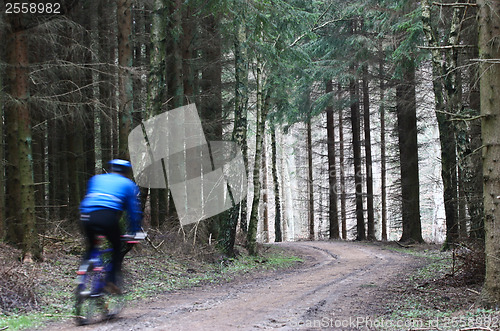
(336, 285)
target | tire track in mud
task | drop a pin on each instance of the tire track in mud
(338, 280)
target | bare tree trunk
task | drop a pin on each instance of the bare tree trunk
(211, 83)
(259, 135)
(2, 157)
(278, 236)
(446, 128)
(368, 159)
(174, 56)
(462, 214)
(343, 213)
(383, 162)
(106, 87)
(489, 52)
(157, 93)
(265, 187)
(406, 109)
(472, 162)
(333, 216)
(356, 146)
(310, 180)
(188, 32)
(125, 84)
(241, 94)
(18, 111)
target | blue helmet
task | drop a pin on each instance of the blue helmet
(121, 166)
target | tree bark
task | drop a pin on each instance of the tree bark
(241, 94)
(310, 180)
(265, 195)
(472, 164)
(343, 212)
(106, 87)
(157, 86)
(489, 53)
(259, 135)
(125, 83)
(278, 236)
(21, 167)
(333, 213)
(2, 157)
(383, 161)
(368, 159)
(356, 146)
(406, 108)
(442, 69)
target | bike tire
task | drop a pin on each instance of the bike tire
(116, 302)
(90, 303)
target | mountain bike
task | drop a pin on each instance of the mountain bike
(93, 303)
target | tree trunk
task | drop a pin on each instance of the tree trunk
(356, 146)
(22, 199)
(241, 94)
(239, 211)
(125, 83)
(174, 56)
(333, 217)
(383, 162)
(259, 135)
(343, 212)
(211, 109)
(157, 91)
(265, 195)
(211, 83)
(310, 180)
(446, 128)
(2, 158)
(489, 53)
(406, 108)
(368, 159)
(278, 236)
(73, 154)
(106, 87)
(186, 44)
(472, 164)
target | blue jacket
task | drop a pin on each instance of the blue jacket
(113, 191)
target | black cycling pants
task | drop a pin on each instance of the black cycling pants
(104, 222)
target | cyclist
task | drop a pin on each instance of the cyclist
(106, 197)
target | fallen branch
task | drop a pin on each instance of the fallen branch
(404, 246)
(153, 245)
(473, 291)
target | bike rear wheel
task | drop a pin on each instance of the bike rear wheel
(115, 301)
(90, 303)
(93, 303)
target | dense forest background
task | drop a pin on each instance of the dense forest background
(357, 119)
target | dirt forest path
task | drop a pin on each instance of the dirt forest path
(339, 282)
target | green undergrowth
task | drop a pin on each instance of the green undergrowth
(435, 296)
(149, 274)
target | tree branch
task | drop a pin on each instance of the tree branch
(316, 26)
(456, 4)
(445, 47)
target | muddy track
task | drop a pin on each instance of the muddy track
(338, 282)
